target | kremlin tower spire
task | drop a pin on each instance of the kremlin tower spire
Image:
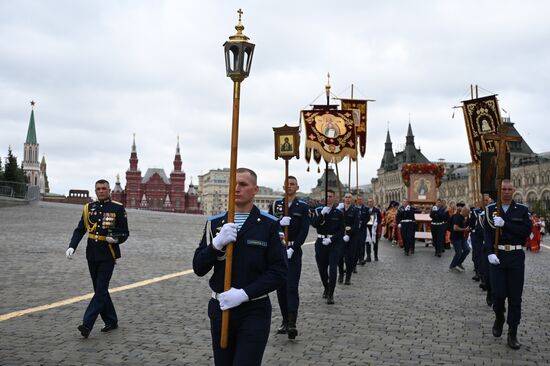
(31, 165)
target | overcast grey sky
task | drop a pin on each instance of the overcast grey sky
(102, 70)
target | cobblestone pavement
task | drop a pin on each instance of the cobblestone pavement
(398, 311)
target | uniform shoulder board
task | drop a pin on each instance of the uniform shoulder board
(521, 204)
(491, 204)
(302, 202)
(264, 213)
(118, 203)
(216, 217)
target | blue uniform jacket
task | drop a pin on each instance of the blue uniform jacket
(440, 215)
(516, 229)
(403, 214)
(259, 265)
(329, 224)
(104, 218)
(299, 225)
(351, 220)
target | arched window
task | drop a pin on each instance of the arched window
(531, 199)
(518, 198)
(546, 200)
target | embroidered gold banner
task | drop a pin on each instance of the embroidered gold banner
(360, 106)
(331, 133)
(482, 116)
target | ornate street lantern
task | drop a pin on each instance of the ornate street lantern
(238, 53)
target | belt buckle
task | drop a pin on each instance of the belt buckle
(507, 247)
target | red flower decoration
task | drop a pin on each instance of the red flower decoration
(435, 169)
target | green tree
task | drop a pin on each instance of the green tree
(12, 172)
(1, 170)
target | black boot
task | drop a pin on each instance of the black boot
(499, 323)
(513, 337)
(330, 296)
(340, 278)
(368, 258)
(376, 255)
(325, 293)
(292, 331)
(284, 327)
(348, 280)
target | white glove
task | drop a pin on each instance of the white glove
(285, 221)
(407, 208)
(69, 253)
(232, 298)
(325, 210)
(493, 259)
(227, 234)
(340, 206)
(326, 241)
(499, 221)
(434, 208)
(289, 252)
(399, 226)
(346, 238)
(111, 240)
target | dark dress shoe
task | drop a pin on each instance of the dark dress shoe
(283, 329)
(340, 278)
(330, 299)
(109, 327)
(476, 278)
(376, 259)
(325, 293)
(513, 340)
(497, 326)
(84, 330)
(348, 282)
(406, 253)
(354, 270)
(368, 259)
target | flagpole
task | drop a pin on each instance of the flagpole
(327, 92)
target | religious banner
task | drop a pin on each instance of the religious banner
(422, 181)
(360, 106)
(482, 117)
(331, 133)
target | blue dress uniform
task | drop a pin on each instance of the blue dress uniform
(287, 294)
(508, 276)
(330, 225)
(347, 254)
(408, 227)
(259, 267)
(362, 234)
(375, 219)
(101, 219)
(440, 217)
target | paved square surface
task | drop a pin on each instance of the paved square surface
(398, 311)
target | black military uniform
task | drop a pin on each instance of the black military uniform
(508, 276)
(405, 217)
(259, 267)
(287, 294)
(101, 219)
(347, 254)
(330, 225)
(440, 217)
(485, 274)
(362, 235)
(375, 219)
(476, 238)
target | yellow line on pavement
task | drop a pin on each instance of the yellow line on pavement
(90, 295)
(72, 300)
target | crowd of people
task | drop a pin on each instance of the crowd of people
(267, 255)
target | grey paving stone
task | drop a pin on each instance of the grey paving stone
(398, 311)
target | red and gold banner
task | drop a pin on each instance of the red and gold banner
(361, 106)
(331, 133)
(482, 116)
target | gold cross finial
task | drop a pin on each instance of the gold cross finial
(240, 12)
(327, 87)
